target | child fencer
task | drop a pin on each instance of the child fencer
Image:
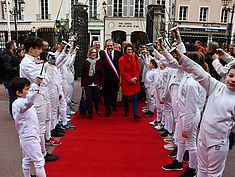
(217, 119)
(27, 125)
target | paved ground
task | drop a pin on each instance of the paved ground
(10, 153)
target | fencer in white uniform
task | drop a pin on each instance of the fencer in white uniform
(217, 119)
(149, 87)
(30, 70)
(27, 126)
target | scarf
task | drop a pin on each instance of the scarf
(92, 66)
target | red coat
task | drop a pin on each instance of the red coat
(128, 70)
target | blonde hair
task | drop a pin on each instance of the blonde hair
(117, 46)
(90, 50)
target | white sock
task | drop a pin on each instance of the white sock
(180, 152)
(40, 172)
(26, 172)
(193, 158)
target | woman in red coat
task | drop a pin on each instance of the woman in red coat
(129, 67)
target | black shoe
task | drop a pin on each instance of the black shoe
(186, 156)
(60, 130)
(107, 113)
(164, 134)
(55, 133)
(137, 117)
(189, 172)
(33, 176)
(49, 157)
(176, 165)
(89, 115)
(173, 154)
(126, 114)
(148, 114)
(60, 126)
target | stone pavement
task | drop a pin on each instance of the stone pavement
(10, 153)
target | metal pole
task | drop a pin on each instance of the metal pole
(8, 21)
(231, 22)
(15, 19)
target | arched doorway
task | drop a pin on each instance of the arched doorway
(118, 36)
(138, 38)
(47, 34)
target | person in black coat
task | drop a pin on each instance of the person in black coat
(110, 58)
(92, 80)
(10, 65)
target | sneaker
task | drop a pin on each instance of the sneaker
(154, 122)
(186, 156)
(49, 157)
(56, 133)
(69, 126)
(170, 146)
(173, 154)
(159, 127)
(144, 110)
(68, 119)
(176, 165)
(52, 142)
(168, 138)
(71, 112)
(189, 172)
(148, 114)
(164, 134)
(137, 116)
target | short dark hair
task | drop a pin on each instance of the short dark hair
(154, 63)
(18, 84)
(34, 42)
(9, 44)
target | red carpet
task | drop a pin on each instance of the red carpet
(110, 147)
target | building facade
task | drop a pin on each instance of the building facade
(204, 20)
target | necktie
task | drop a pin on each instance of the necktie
(110, 55)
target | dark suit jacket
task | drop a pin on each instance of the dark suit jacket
(109, 75)
(98, 77)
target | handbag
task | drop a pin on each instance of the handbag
(82, 104)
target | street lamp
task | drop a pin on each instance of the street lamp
(225, 3)
(16, 12)
(104, 5)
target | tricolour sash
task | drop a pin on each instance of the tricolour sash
(111, 64)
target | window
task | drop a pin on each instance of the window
(93, 9)
(117, 8)
(139, 8)
(203, 14)
(44, 9)
(183, 13)
(224, 16)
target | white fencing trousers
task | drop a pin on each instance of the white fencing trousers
(62, 109)
(168, 114)
(211, 160)
(48, 120)
(174, 99)
(168, 120)
(32, 153)
(150, 100)
(40, 105)
(158, 105)
(54, 99)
